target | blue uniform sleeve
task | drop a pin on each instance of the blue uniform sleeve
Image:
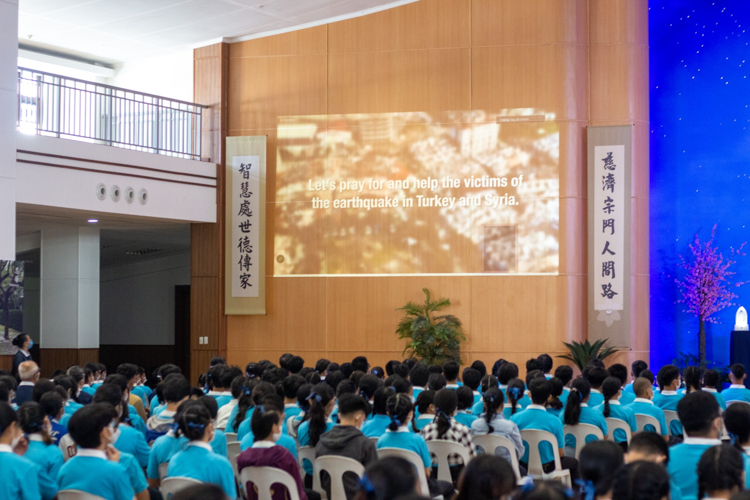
(152, 471)
(56, 461)
(663, 424)
(121, 484)
(142, 450)
(560, 435)
(47, 483)
(227, 481)
(135, 474)
(219, 444)
(243, 430)
(423, 451)
(631, 421)
(288, 443)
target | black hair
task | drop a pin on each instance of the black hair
(564, 373)
(284, 360)
(401, 370)
(641, 480)
(648, 375)
(334, 378)
(534, 374)
(361, 364)
(400, 385)
(533, 364)
(68, 383)
(51, 403)
(738, 370)
(319, 398)
(128, 370)
(398, 407)
(721, 467)
(250, 370)
(540, 390)
(506, 372)
(697, 411)
(346, 369)
(737, 422)
(546, 361)
(450, 370)
(19, 340)
(387, 478)
(211, 405)
(274, 375)
(579, 391)
(31, 419)
(8, 382)
(555, 391)
(245, 402)
(380, 400)
(410, 362)
(266, 415)
(303, 394)
(295, 364)
(610, 387)
(596, 377)
(692, 378)
(598, 461)
(347, 386)
(236, 386)
(436, 382)
(322, 365)
(228, 375)
(493, 402)
(514, 393)
(619, 371)
(368, 385)
(446, 402)
(667, 374)
(424, 400)
(420, 375)
(496, 367)
(312, 378)
(378, 372)
(649, 443)
(479, 366)
(203, 491)
(435, 369)
(175, 388)
(356, 377)
(465, 398)
(217, 360)
(389, 366)
(193, 422)
(111, 394)
(351, 403)
(4, 394)
(711, 378)
(291, 385)
(87, 424)
(546, 490)
(472, 378)
(76, 372)
(487, 382)
(486, 477)
(42, 387)
(637, 367)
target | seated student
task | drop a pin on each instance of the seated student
(737, 423)
(41, 449)
(303, 393)
(711, 384)
(243, 410)
(398, 436)
(226, 377)
(425, 406)
(379, 372)
(595, 377)
(16, 469)
(546, 363)
(317, 421)
(126, 438)
(487, 477)
(419, 377)
(516, 395)
(599, 460)
(321, 368)
(140, 388)
(691, 375)
(565, 374)
(436, 382)
(391, 477)
(465, 406)
(701, 420)
(402, 370)
(71, 388)
(721, 472)
(534, 365)
(222, 417)
(737, 391)
(130, 372)
(651, 447)
(505, 373)
(641, 481)
(213, 380)
(284, 440)
(265, 451)
(668, 398)
(165, 447)
(52, 405)
(635, 371)
(219, 441)
(131, 416)
(492, 421)
(347, 440)
(620, 372)
(450, 372)
(577, 411)
(612, 408)
(96, 468)
(554, 404)
(368, 384)
(473, 379)
(175, 389)
(198, 460)
(376, 426)
(643, 405)
(29, 373)
(487, 382)
(535, 416)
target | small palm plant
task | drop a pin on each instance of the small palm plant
(433, 339)
(581, 353)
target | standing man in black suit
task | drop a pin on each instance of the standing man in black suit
(29, 373)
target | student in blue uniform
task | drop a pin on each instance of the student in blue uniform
(175, 389)
(546, 363)
(227, 376)
(198, 461)
(599, 461)
(691, 376)
(52, 405)
(165, 447)
(554, 404)
(473, 380)
(261, 391)
(486, 382)
(668, 398)
(219, 441)
(515, 394)
(711, 384)
(565, 374)
(635, 371)
(283, 440)
(376, 426)
(737, 391)
(577, 411)
(451, 370)
(425, 409)
(535, 416)
(721, 472)
(737, 423)
(643, 405)
(244, 405)
(18, 473)
(465, 404)
(505, 373)
(95, 469)
(612, 408)
(595, 377)
(492, 421)
(317, 421)
(42, 450)
(650, 447)
(620, 372)
(126, 438)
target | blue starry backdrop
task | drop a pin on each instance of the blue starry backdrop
(700, 158)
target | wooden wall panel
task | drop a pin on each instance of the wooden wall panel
(307, 41)
(619, 21)
(625, 97)
(6, 363)
(200, 361)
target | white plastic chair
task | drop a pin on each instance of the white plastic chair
(163, 470)
(670, 417)
(264, 478)
(618, 423)
(580, 432)
(411, 457)
(336, 467)
(291, 429)
(533, 438)
(305, 453)
(491, 442)
(643, 420)
(233, 449)
(76, 495)
(172, 485)
(231, 436)
(441, 448)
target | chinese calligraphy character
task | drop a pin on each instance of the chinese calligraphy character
(245, 225)
(608, 269)
(608, 292)
(608, 223)
(245, 170)
(608, 182)
(606, 249)
(244, 190)
(245, 262)
(244, 245)
(609, 205)
(609, 162)
(245, 209)
(244, 281)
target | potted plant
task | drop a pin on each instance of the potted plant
(581, 353)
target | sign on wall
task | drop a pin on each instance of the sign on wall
(609, 170)
(245, 225)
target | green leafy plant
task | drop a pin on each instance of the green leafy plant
(581, 353)
(433, 339)
(683, 360)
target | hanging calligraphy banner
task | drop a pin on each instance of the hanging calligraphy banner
(245, 221)
(609, 171)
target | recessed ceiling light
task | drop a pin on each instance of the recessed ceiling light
(93, 221)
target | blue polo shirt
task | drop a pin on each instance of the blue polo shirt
(626, 398)
(16, 474)
(465, 418)
(135, 472)
(683, 461)
(643, 406)
(719, 398)
(162, 450)
(736, 392)
(90, 471)
(595, 398)
(624, 413)
(377, 426)
(49, 460)
(406, 440)
(667, 401)
(198, 461)
(286, 441)
(131, 441)
(564, 396)
(588, 416)
(536, 417)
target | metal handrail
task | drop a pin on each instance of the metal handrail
(59, 106)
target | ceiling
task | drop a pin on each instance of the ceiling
(113, 31)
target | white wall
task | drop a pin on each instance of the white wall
(137, 300)
(168, 76)
(8, 115)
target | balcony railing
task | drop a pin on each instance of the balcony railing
(58, 106)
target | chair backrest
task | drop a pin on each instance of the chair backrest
(411, 457)
(441, 448)
(580, 432)
(643, 420)
(291, 429)
(264, 478)
(533, 437)
(233, 449)
(171, 485)
(163, 470)
(76, 495)
(305, 453)
(336, 467)
(491, 442)
(670, 416)
(68, 447)
(231, 436)
(618, 423)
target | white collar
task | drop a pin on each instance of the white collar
(614, 402)
(737, 386)
(584, 405)
(536, 407)
(92, 452)
(35, 437)
(98, 382)
(503, 386)
(746, 449)
(566, 389)
(477, 393)
(418, 387)
(214, 393)
(668, 393)
(86, 385)
(26, 382)
(597, 391)
(5, 448)
(426, 416)
(201, 444)
(692, 440)
(290, 405)
(226, 393)
(25, 352)
(264, 444)
(643, 400)
(167, 414)
(708, 389)
(403, 428)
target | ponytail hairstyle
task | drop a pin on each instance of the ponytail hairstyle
(487, 382)
(641, 480)
(610, 387)
(399, 406)
(692, 378)
(514, 392)
(422, 405)
(380, 401)
(555, 389)
(245, 402)
(303, 393)
(720, 468)
(493, 402)
(321, 395)
(446, 402)
(31, 419)
(265, 416)
(193, 422)
(579, 390)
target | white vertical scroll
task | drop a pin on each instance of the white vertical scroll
(245, 196)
